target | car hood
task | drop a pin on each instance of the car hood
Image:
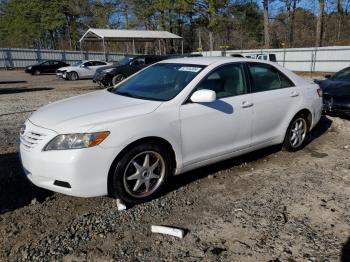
(33, 65)
(68, 68)
(105, 67)
(80, 113)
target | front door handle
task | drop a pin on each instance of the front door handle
(246, 104)
(294, 94)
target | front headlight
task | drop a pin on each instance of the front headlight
(29, 67)
(108, 70)
(75, 141)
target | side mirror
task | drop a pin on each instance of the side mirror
(327, 76)
(203, 96)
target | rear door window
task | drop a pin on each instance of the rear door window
(99, 63)
(265, 77)
(272, 57)
(138, 61)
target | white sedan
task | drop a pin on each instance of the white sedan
(167, 119)
(81, 70)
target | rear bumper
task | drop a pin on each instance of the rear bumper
(331, 107)
(336, 111)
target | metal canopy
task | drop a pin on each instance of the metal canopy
(119, 35)
(94, 34)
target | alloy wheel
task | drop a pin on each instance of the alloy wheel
(298, 132)
(144, 174)
(118, 78)
(74, 76)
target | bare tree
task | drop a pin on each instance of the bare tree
(291, 6)
(340, 11)
(319, 26)
(266, 24)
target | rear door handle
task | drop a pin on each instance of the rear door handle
(246, 104)
(294, 94)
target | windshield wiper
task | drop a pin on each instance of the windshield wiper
(129, 95)
(135, 96)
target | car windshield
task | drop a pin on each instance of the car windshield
(126, 60)
(160, 82)
(342, 75)
(78, 63)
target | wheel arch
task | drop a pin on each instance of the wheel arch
(74, 71)
(152, 139)
(115, 75)
(308, 115)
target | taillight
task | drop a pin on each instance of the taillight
(319, 92)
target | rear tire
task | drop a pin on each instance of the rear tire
(73, 76)
(296, 133)
(117, 78)
(141, 174)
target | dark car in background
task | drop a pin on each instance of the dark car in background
(99, 72)
(45, 67)
(336, 93)
(126, 67)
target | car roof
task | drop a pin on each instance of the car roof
(48, 60)
(84, 61)
(208, 60)
(156, 56)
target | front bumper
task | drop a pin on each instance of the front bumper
(99, 77)
(102, 78)
(78, 172)
(61, 74)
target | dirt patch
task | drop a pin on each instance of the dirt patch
(270, 205)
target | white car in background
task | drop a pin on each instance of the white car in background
(169, 118)
(81, 70)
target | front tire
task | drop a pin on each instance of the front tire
(141, 174)
(73, 76)
(36, 72)
(117, 78)
(296, 134)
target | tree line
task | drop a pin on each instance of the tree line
(204, 24)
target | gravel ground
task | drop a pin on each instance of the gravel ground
(270, 205)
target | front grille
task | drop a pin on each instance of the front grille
(31, 139)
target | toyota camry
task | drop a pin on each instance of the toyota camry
(169, 118)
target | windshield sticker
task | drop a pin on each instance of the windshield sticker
(190, 69)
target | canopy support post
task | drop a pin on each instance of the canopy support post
(182, 47)
(133, 46)
(81, 49)
(104, 49)
(160, 48)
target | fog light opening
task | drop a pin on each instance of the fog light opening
(62, 184)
